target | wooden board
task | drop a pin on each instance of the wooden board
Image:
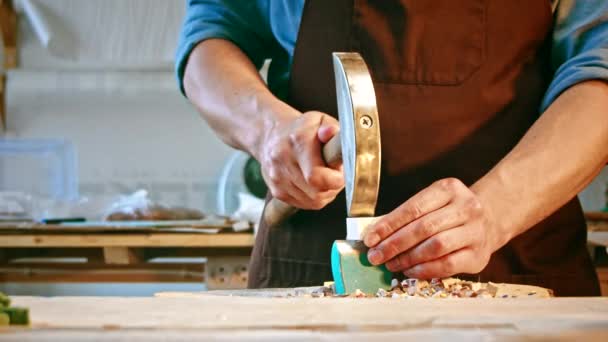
(2, 101)
(596, 216)
(8, 32)
(235, 318)
(99, 273)
(128, 240)
(210, 225)
(598, 238)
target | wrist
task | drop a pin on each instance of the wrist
(498, 225)
(274, 116)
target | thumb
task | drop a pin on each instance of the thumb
(328, 128)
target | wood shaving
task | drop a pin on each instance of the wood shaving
(441, 288)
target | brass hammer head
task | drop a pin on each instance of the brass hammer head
(359, 133)
(361, 156)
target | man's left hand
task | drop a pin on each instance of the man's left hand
(441, 231)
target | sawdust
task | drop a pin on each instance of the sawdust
(441, 288)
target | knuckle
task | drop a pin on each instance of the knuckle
(438, 245)
(406, 259)
(390, 249)
(324, 198)
(273, 176)
(297, 137)
(449, 266)
(383, 229)
(426, 228)
(450, 184)
(279, 194)
(317, 204)
(393, 264)
(313, 179)
(313, 114)
(473, 205)
(415, 210)
(278, 154)
(462, 215)
(418, 272)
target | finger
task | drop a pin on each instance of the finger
(283, 189)
(461, 261)
(308, 154)
(323, 178)
(320, 200)
(320, 179)
(340, 168)
(297, 179)
(416, 232)
(289, 192)
(432, 248)
(429, 199)
(283, 196)
(301, 199)
(328, 128)
(314, 201)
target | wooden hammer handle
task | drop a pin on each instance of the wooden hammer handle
(277, 211)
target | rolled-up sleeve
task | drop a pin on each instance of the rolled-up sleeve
(242, 22)
(580, 45)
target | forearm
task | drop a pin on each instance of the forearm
(225, 87)
(560, 154)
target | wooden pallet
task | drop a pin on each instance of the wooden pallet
(221, 259)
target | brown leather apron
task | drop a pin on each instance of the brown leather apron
(458, 83)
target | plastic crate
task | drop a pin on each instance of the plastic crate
(40, 168)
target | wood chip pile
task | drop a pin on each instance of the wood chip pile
(441, 288)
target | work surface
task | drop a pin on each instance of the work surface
(236, 318)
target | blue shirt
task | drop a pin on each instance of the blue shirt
(268, 29)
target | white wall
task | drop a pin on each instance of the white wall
(103, 34)
(594, 197)
(131, 128)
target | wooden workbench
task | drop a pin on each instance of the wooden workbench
(236, 318)
(38, 255)
(122, 255)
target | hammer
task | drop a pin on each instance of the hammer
(358, 146)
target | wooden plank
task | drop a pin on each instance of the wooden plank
(602, 274)
(596, 216)
(227, 272)
(597, 226)
(93, 254)
(208, 225)
(3, 101)
(8, 29)
(87, 273)
(598, 238)
(121, 256)
(303, 335)
(241, 318)
(128, 240)
(10, 254)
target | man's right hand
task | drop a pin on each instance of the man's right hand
(226, 88)
(292, 164)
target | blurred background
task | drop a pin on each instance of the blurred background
(93, 124)
(91, 114)
(103, 82)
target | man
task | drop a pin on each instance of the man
(494, 115)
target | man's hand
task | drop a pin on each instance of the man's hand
(292, 165)
(441, 231)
